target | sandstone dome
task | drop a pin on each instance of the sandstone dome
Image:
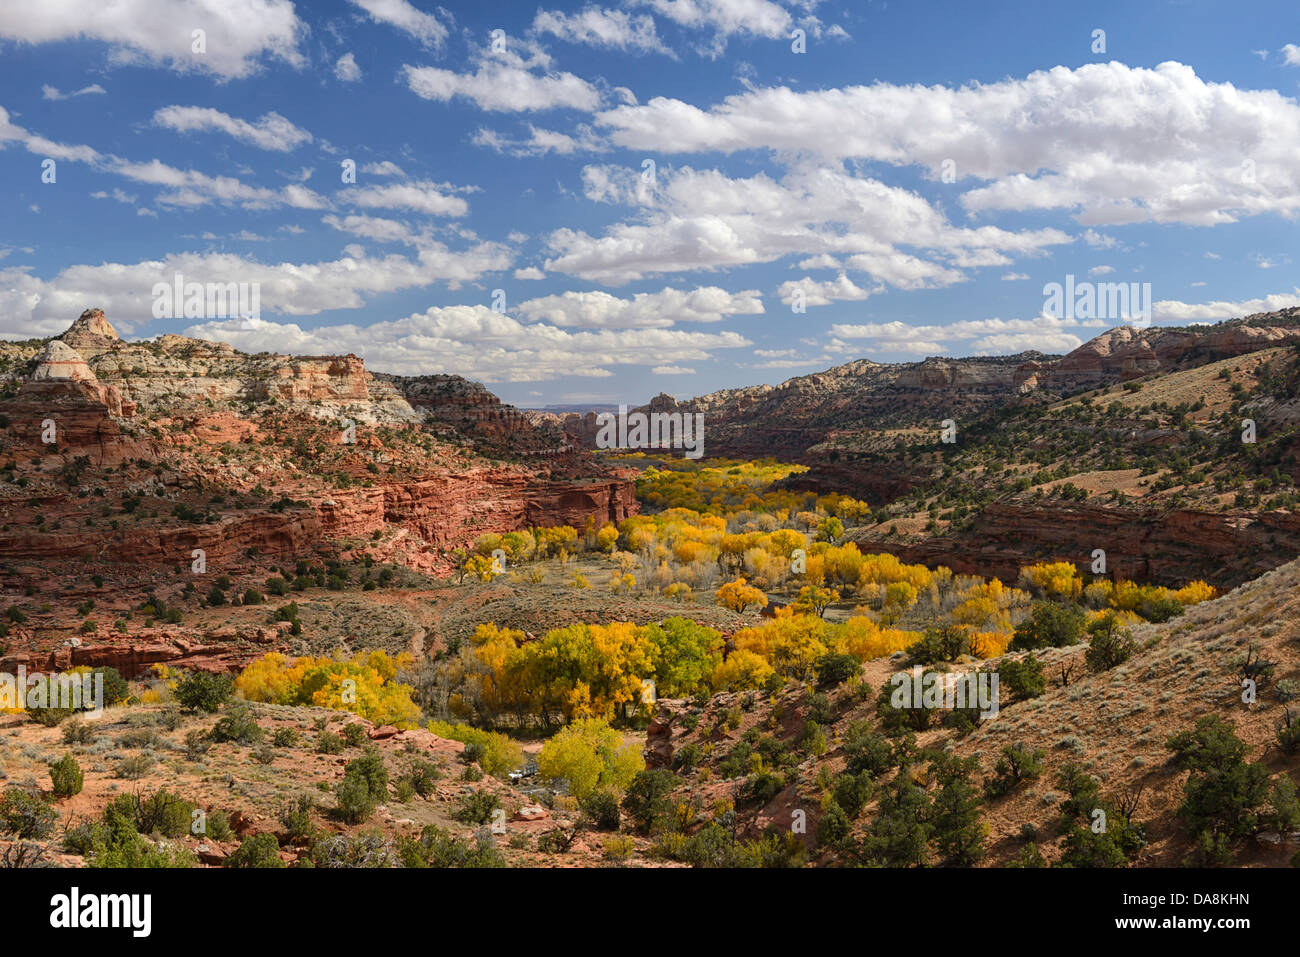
(58, 360)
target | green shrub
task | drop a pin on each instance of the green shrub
(1212, 745)
(939, 644)
(354, 803)
(1024, 678)
(354, 734)
(327, 742)
(835, 669)
(439, 848)
(1049, 625)
(296, 818)
(139, 738)
(760, 788)
(203, 691)
(424, 776)
(260, 850)
(239, 726)
(1087, 848)
(116, 688)
(85, 837)
(370, 769)
(66, 776)
(473, 752)
(1016, 764)
(913, 717)
(1160, 609)
(864, 750)
(852, 792)
(834, 825)
(1288, 733)
(602, 808)
(1109, 644)
(127, 849)
(78, 731)
(26, 815)
(1029, 856)
(217, 825)
(49, 717)
(197, 743)
(686, 757)
(478, 808)
(1083, 794)
(901, 832)
(162, 813)
(646, 797)
(134, 768)
(958, 831)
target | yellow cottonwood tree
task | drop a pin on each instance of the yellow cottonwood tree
(591, 756)
(738, 595)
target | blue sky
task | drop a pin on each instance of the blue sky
(914, 178)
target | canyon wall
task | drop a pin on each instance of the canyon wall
(1168, 548)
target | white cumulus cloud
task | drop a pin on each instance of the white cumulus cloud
(270, 132)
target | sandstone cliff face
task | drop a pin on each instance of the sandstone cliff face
(439, 514)
(316, 378)
(1168, 548)
(62, 403)
(157, 374)
(442, 510)
(173, 409)
(472, 411)
(1128, 353)
(133, 654)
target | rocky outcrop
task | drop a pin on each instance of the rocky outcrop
(134, 654)
(92, 334)
(317, 378)
(664, 727)
(1127, 353)
(788, 420)
(471, 411)
(62, 405)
